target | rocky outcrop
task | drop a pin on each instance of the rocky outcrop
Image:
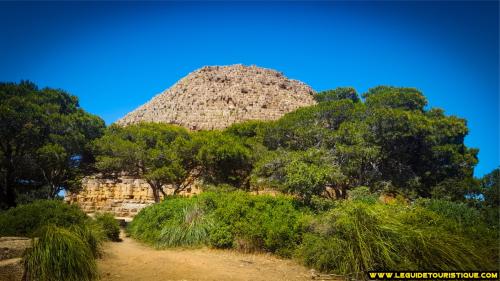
(215, 97)
(122, 196)
(11, 252)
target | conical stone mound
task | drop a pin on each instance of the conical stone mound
(214, 97)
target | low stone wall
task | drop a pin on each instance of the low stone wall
(123, 196)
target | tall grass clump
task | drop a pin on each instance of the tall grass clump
(357, 236)
(149, 223)
(92, 234)
(190, 228)
(59, 254)
(109, 226)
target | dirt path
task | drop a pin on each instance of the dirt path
(131, 261)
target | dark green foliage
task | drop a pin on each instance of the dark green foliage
(395, 97)
(262, 222)
(490, 185)
(44, 137)
(337, 94)
(59, 254)
(304, 173)
(223, 158)
(223, 220)
(109, 225)
(309, 126)
(248, 129)
(389, 140)
(159, 153)
(25, 220)
(356, 237)
(490, 189)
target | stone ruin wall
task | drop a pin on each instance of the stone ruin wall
(122, 197)
(216, 97)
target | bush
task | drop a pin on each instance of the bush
(25, 220)
(59, 254)
(357, 236)
(109, 225)
(223, 220)
(363, 193)
(256, 222)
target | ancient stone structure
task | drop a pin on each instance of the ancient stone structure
(11, 252)
(122, 196)
(213, 97)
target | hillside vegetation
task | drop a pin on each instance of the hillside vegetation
(66, 241)
(377, 181)
(349, 237)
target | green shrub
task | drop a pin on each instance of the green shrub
(109, 225)
(25, 220)
(363, 193)
(223, 220)
(257, 222)
(357, 236)
(59, 254)
(221, 237)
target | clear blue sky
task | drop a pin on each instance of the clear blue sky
(116, 56)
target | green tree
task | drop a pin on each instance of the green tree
(395, 97)
(158, 153)
(310, 126)
(490, 184)
(44, 136)
(337, 94)
(223, 158)
(490, 190)
(390, 140)
(309, 173)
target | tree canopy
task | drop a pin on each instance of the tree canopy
(389, 141)
(156, 152)
(44, 137)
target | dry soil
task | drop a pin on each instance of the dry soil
(130, 260)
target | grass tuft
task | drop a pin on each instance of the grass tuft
(60, 254)
(192, 228)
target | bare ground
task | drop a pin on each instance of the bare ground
(130, 260)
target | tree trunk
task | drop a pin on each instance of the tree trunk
(338, 195)
(156, 194)
(9, 199)
(344, 191)
(7, 193)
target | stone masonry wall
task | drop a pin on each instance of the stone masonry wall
(214, 97)
(123, 196)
